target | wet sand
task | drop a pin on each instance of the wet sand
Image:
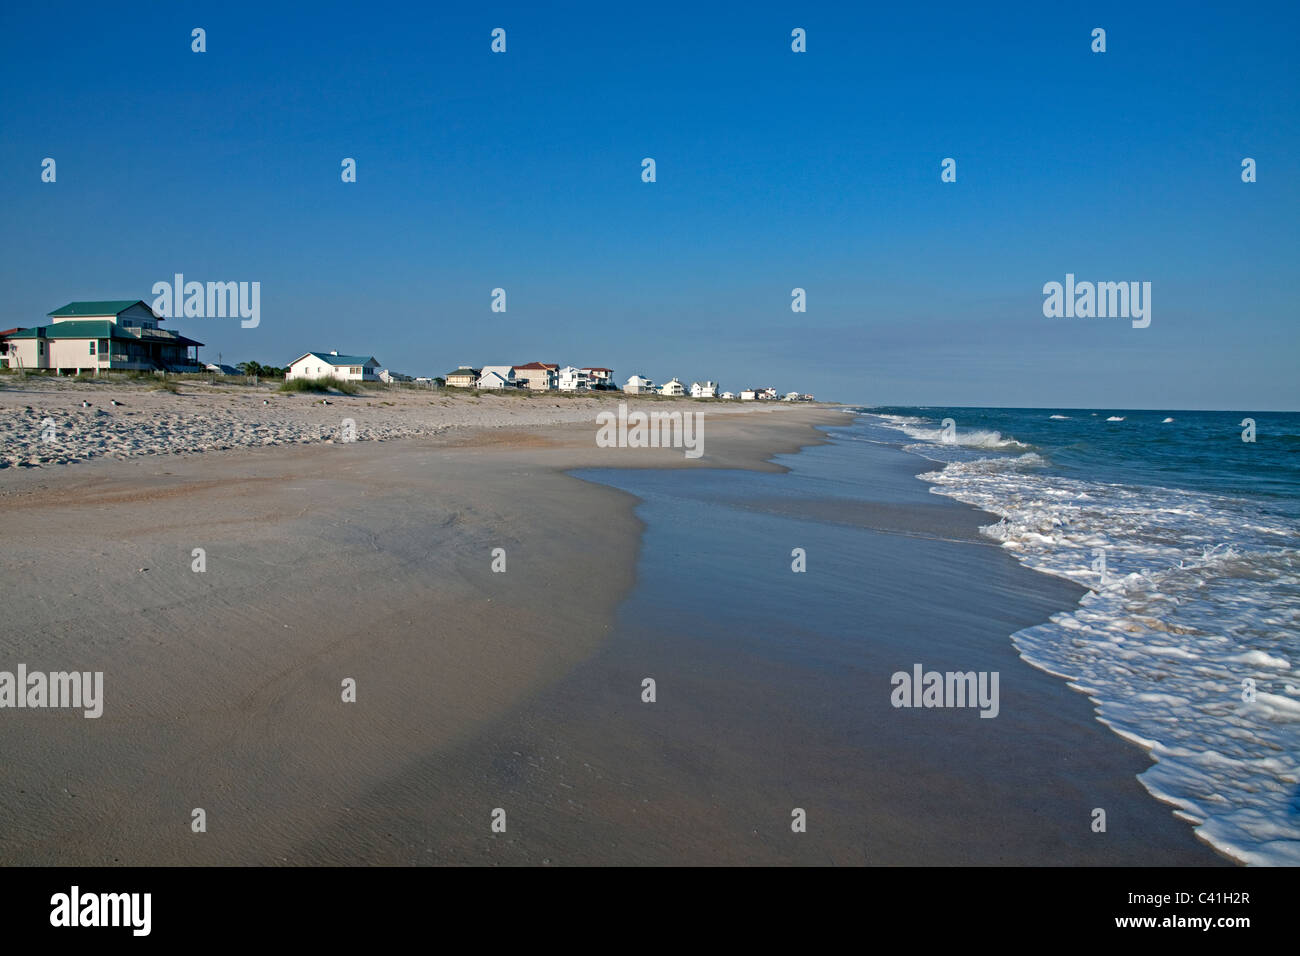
(522, 690)
(772, 693)
(370, 561)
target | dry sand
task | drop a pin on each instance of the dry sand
(43, 420)
(367, 560)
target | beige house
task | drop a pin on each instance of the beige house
(539, 376)
(345, 368)
(463, 377)
(119, 334)
(672, 388)
(639, 385)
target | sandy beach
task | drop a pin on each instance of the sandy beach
(479, 689)
(324, 561)
(122, 420)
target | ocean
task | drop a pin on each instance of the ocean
(1188, 539)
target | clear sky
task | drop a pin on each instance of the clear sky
(775, 170)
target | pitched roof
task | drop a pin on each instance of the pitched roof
(596, 368)
(98, 329)
(329, 359)
(81, 329)
(536, 365)
(103, 307)
(471, 372)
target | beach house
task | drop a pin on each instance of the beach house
(573, 379)
(599, 378)
(639, 385)
(344, 368)
(497, 376)
(704, 389)
(463, 377)
(728, 394)
(117, 334)
(748, 395)
(673, 389)
(538, 376)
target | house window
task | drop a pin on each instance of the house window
(356, 370)
(40, 347)
(92, 346)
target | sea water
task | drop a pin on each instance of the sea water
(1188, 538)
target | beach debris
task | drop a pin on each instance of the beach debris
(85, 404)
(141, 570)
(116, 403)
(326, 402)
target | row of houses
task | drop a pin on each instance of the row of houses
(534, 376)
(546, 376)
(124, 335)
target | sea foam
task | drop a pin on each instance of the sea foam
(1187, 641)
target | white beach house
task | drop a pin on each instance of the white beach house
(497, 376)
(728, 394)
(748, 395)
(344, 368)
(639, 385)
(573, 379)
(599, 378)
(704, 389)
(538, 376)
(117, 334)
(673, 389)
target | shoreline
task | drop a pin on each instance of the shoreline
(373, 561)
(363, 560)
(755, 718)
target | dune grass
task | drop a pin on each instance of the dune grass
(323, 385)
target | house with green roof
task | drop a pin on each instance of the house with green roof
(345, 368)
(464, 377)
(110, 335)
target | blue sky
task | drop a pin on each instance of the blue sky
(775, 170)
